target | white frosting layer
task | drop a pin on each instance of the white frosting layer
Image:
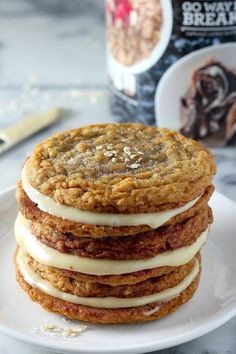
(49, 205)
(32, 278)
(51, 257)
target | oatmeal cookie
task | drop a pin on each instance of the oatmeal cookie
(112, 280)
(121, 168)
(33, 213)
(140, 246)
(101, 315)
(69, 284)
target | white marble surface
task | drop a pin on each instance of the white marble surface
(52, 53)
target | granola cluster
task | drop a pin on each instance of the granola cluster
(133, 28)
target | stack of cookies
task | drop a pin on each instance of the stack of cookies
(111, 221)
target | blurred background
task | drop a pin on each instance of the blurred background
(53, 54)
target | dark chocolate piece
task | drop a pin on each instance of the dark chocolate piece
(207, 105)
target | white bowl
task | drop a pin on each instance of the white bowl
(175, 82)
(158, 50)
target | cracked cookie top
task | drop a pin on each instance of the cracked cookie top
(120, 168)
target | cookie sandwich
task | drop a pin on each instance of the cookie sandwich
(111, 222)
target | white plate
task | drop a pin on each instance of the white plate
(176, 80)
(213, 304)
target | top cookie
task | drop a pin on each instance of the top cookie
(120, 168)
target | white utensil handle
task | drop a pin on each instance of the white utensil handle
(28, 126)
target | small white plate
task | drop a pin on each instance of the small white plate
(213, 304)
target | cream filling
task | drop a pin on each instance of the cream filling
(32, 278)
(51, 257)
(49, 206)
